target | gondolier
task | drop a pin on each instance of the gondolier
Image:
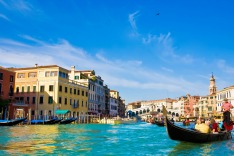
(226, 106)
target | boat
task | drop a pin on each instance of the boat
(159, 123)
(41, 122)
(191, 135)
(11, 122)
(67, 121)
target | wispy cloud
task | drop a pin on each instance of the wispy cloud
(224, 67)
(132, 20)
(18, 5)
(4, 17)
(116, 73)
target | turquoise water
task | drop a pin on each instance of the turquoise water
(101, 139)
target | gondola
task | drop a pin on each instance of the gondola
(11, 122)
(159, 123)
(190, 135)
(67, 121)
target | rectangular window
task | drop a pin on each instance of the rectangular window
(60, 100)
(34, 100)
(70, 90)
(65, 89)
(70, 101)
(32, 74)
(21, 75)
(78, 92)
(76, 77)
(51, 88)
(11, 78)
(27, 99)
(42, 88)
(1, 76)
(74, 91)
(82, 93)
(28, 89)
(54, 73)
(47, 74)
(60, 88)
(32, 112)
(41, 112)
(50, 99)
(22, 89)
(82, 103)
(41, 100)
(65, 101)
(86, 94)
(34, 88)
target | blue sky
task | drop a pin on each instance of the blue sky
(146, 50)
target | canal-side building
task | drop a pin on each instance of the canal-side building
(96, 89)
(7, 83)
(43, 90)
(228, 93)
(114, 102)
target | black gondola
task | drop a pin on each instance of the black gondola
(189, 135)
(11, 122)
(67, 121)
(159, 123)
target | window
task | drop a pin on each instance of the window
(33, 100)
(70, 90)
(34, 88)
(17, 89)
(74, 91)
(65, 89)
(76, 77)
(51, 88)
(32, 74)
(60, 88)
(47, 74)
(1, 76)
(28, 88)
(50, 99)
(60, 100)
(65, 101)
(70, 101)
(82, 93)
(54, 73)
(22, 89)
(21, 75)
(41, 100)
(27, 99)
(82, 103)
(41, 112)
(0, 89)
(42, 88)
(86, 94)
(32, 112)
(78, 92)
(11, 78)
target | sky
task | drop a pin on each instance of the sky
(146, 50)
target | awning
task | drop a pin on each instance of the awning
(59, 111)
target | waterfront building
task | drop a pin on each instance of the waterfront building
(122, 108)
(7, 83)
(96, 89)
(46, 89)
(114, 102)
(228, 93)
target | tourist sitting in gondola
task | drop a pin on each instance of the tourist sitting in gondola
(214, 127)
(201, 126)
(227, 123)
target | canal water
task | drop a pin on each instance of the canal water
(101, 139)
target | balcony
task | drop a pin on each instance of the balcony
(19, 103)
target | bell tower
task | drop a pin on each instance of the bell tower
(212, 87)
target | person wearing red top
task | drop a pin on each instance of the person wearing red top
(226, 106)
(214, 126)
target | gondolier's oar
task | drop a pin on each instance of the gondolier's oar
(164, 111)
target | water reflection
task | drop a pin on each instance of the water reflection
(30, 139)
